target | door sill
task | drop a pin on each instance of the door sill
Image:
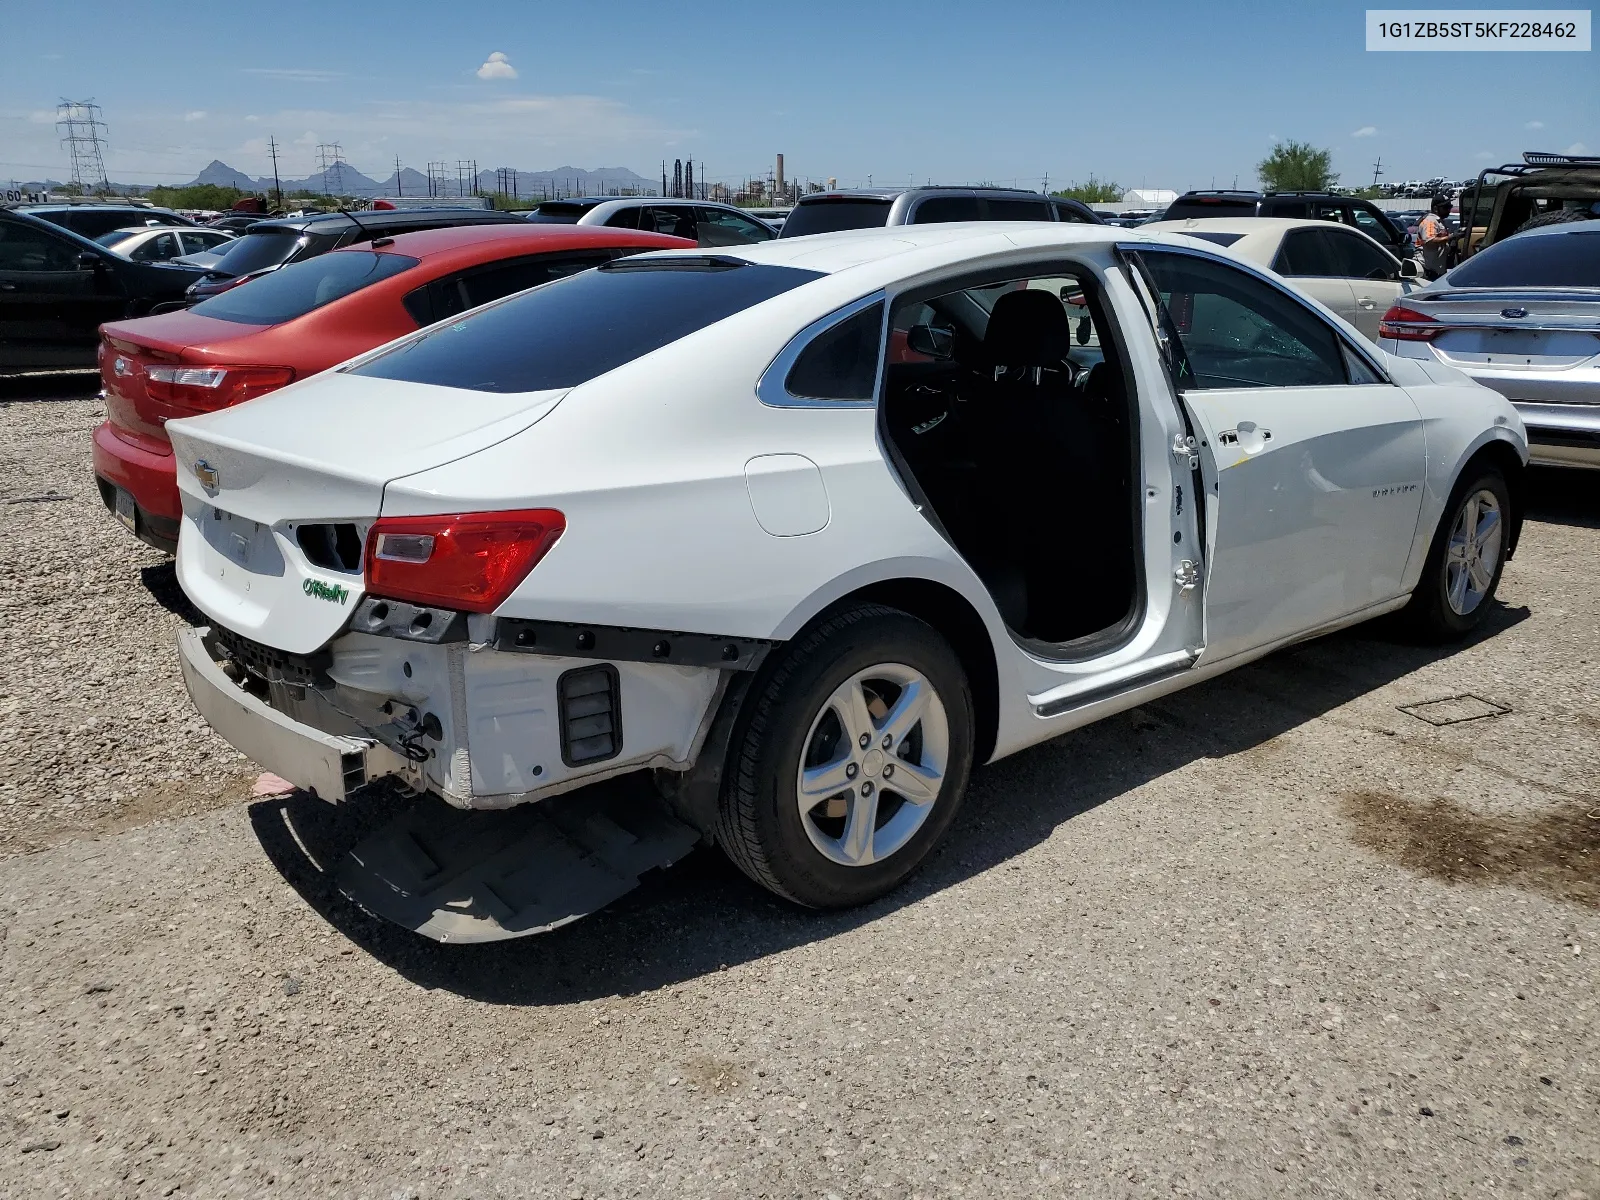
(1062, 700)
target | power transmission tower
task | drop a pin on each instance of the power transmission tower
(277, 187)
(82, 131)
(677, 178)
(330, 162)
(464, 168)
(436, 179)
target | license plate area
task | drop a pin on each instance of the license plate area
(127, 512)
(241, 543)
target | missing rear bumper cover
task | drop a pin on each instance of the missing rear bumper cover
(618, 644)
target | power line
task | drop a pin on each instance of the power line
(81, 128)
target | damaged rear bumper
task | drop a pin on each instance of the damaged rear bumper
(329, 765)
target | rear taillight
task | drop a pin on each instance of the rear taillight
(465, 561)
(1408, 325)
(208, 388)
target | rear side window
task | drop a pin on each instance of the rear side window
(830, 216)
(1209, 206)
(842, 362)
(581, 327)
(1019, 210)
(258, 249)
(300, 288)
(556, 212)
(1567, 259)
(939, 209)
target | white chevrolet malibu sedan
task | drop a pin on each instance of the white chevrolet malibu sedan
(810, 529)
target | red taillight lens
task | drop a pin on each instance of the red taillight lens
(467, 561)
(207, 388)
(1408, 325)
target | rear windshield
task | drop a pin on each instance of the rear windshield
(577, 328)
(300, 287)
(1209, 206)
(256, 249)
(558, 212)
(1568, 259)
(1221, 239)
(830, 216)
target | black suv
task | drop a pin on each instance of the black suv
(57, 287)
(873, 208)
(92, 218)
(268, 245)
(1314, 206)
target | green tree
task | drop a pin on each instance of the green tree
(1297, 167)
(202, 195)
(1096, 191)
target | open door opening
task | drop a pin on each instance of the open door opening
(1009, 408)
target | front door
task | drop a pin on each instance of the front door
(1306, 257)
(1313, 463)
(1373, 274)
(50, 306)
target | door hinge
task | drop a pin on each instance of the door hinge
(1187, 574)
(1185, 448)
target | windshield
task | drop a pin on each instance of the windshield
(577, 328)
(558, 212)
(115, 236)
(1221, 239)
(1567, 259)
(258, 248)
(830, 216)
(301, 287)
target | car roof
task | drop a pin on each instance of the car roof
(468, 240)
(1592, 225)
(383, 218)
(892, 193)
(1243, 225)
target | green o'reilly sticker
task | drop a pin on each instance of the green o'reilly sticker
(325, 591)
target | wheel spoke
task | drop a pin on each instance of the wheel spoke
(1469, 516)
(1480, 577)
(1458, 589)
(850, 703)
(915, 784)
(905, 714)
(859, 828)
(1488, 526)
(829, 779)
(1457, 550)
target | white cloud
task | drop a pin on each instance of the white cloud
(295, 74)
(42, 116)
(1484, 155)
(198, 114)
(1576, 148)
(1366, 131)
(497, 66)
(1534, 125)
(308, 138)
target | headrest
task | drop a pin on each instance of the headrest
(1027, 328)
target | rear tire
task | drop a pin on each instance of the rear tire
(852, 757)
(1465, 560)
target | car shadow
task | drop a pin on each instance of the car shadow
(1563, 496)
(701, 915)
(161, 581)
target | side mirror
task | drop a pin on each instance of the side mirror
(89, 260)
(1408, 268)
(931, 341)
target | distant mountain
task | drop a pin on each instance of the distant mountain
(343, 179)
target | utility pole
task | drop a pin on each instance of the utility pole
(277, 186)
(399, 188)
(1377, 169)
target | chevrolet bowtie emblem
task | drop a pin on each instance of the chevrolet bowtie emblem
(210, 478)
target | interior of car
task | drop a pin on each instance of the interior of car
(1018, 426)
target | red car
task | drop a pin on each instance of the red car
(300, 320)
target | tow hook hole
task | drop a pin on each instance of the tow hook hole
(380, 612)
(586, 640)
(406, 667)
(525, 637)
(431, 727)
(421, 621)
(661, 649)
(730, 653)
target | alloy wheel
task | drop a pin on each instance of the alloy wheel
(1473, 553)
(873, 764)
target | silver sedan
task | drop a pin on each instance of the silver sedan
(161, 244)
(1521, 317)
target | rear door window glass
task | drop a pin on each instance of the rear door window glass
(1305, 252)
(583, 326)
(301, 287)
(675, 220)
(1372, 226)
(1239, 332)
(842, 362)
(939, 209)
(624, 218)
(1019, 210)
(830, 216)
(157, 249)
(719, 227)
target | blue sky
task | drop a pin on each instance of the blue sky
(1156, 94)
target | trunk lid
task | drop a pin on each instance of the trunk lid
(1520, 330)
(270, 541)
(128, 349)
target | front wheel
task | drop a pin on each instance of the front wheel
(852, 759)
(1464, 563)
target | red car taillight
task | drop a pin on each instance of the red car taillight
(1408, 325)
(208, 388)
(466, 561)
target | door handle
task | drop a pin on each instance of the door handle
(7, 286)
(1251, 433)
(1366, 302)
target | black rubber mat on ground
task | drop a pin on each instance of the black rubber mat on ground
(459, 876)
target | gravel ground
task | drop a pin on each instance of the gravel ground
(96, 731)
(1269, 937)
